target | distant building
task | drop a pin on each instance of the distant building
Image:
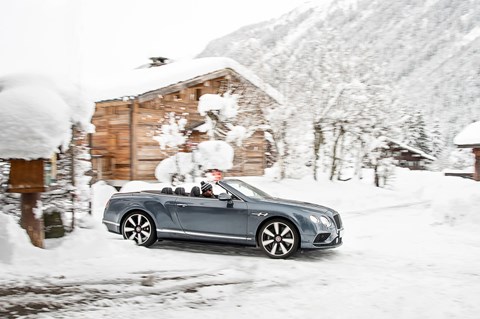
(407, 156)
(129, 113)
(469, 137)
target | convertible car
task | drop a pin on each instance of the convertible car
(240, 214)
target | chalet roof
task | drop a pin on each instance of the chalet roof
(412, 149)
(469, 136)
(139, 81)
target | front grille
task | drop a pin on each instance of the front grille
(338, 221)
(321, 238)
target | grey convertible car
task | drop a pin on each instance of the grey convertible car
(241, 214)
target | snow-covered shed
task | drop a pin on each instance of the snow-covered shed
(42, 153)
(408, 156)
(469, 137)
(131, 107)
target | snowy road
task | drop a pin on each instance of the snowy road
(395, 263)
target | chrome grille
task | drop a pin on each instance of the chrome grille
(338, 221)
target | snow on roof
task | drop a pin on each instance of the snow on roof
(470, 135)
(37, 115)
(139, 81)
(412, 149)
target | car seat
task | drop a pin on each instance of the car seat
(180, 191)
(195, 192)
(167, 190)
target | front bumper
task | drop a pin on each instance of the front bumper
(323, 240)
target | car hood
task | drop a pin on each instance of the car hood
(302, 205)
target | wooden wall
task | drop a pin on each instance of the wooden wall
(110, 144)
(476, 174)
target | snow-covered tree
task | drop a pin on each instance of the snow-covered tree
(171, 136)
(219, 111)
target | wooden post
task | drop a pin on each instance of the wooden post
(476, 174)
(30, 222)
(133, 139)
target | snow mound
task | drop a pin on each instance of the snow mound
(37, 116)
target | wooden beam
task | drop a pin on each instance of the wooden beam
(476, 174)
(133, 138)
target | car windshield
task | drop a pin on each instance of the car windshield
(247, 189)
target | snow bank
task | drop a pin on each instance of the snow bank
(14, 241)
(102, 193)
(37, 115)
(455, 202)
(6, 245)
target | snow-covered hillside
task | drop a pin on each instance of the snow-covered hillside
(426, 52)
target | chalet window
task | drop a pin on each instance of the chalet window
(198, 94)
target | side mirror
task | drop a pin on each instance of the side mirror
(224, 197)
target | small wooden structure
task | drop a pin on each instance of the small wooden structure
(27, 178)
(469, 137)
(123, 147)
(476, 153)
(45, 187)
(407, 156)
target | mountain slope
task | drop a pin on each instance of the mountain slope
(427, 51)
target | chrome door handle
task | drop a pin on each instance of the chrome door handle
(182, 205)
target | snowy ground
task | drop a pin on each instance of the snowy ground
(412, 251)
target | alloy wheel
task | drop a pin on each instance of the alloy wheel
(139, 228)
(279, 239)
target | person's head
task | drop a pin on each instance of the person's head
(207, 189)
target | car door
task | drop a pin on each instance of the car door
(213, 219)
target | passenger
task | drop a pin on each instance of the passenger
(207, 190)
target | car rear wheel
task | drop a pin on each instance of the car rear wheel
(279, 238)
(139, 227)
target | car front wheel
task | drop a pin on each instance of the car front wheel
(139, 227)
(279, 238)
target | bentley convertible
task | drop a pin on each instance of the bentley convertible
(240, 214)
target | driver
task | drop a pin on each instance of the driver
(207, 190)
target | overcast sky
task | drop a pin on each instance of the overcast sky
(83, 37)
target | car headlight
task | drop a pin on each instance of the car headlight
(314, 219)
(326, 221)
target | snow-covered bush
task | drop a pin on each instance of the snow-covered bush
(214, 155)
(179, 167)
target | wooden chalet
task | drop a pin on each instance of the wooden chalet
(470, 138)
(130, 116)
(407, 156)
